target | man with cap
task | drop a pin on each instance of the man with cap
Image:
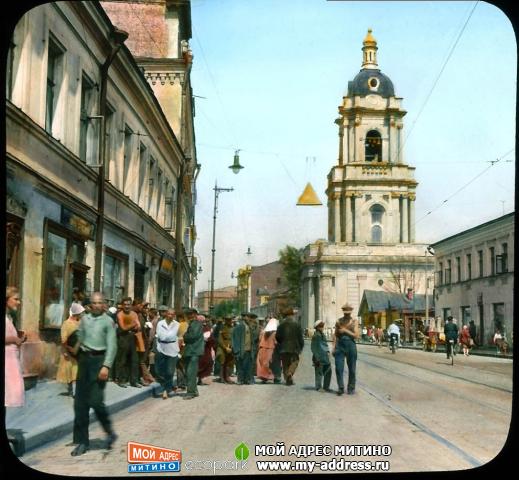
(96, 347)
(242, 346)
(346, 331)
(321, 358)
(224, 350)
(193, 350)
(451, 333)
(290, 335)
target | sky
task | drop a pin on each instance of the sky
(269, 75)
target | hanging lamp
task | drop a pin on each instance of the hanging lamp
(308, 197)
(236, 167)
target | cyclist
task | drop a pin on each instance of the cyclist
(393, 331)
(451, 333)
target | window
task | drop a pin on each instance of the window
(492, 261)
(499, 315)
(54, 80)
(159, 195)
(64, 271)
(151, 186)
(168, 210)
(448, 278)
(377, 212)
(115, 270)
(458, 269)
(86, 134)
(139, 283)
(127, 160)
(465, 315)
(439, 274)
(480, 263)
(469, 266)
(142, 175)
(10, 70)
(13, 243)
(333, 281)
(502, 260)
(164, 289)
(373, 147)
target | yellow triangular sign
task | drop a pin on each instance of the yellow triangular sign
(308, 197)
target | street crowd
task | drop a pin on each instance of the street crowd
(134, 345)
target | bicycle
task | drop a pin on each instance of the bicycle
(450, 351)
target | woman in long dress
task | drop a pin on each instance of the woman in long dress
(465, 340)
(67, 368)
(14, 386)
(267, 344)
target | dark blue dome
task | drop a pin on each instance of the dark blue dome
(371, 81)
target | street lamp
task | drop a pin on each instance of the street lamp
(428, 250)
(236, 167)
(217, 192)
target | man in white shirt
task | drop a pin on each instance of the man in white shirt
(167, 352)
(393, 328)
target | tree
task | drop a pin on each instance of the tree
(227, 307)
(291, 258)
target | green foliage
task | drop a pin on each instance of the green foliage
(292, 260)
(227, 307)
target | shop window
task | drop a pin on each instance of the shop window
(465, 315)
(64, 274)
(115, 274)
(499, 316)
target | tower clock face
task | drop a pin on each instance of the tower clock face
(374, 100)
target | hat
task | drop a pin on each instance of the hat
(252, 315)
(272, 325)
(189, 311)
(318, 322)
(112, 310)
(347, 307)
(76, 309)
(163, 308)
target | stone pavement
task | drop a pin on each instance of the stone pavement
(47, 415)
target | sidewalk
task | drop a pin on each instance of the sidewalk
(483, 351)
(47, 415)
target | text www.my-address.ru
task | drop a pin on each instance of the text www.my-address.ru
(329, 466)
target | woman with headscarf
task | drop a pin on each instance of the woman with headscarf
(67, 368)
(267, 343)
(466, 340)
(205, 364)
(14, 386)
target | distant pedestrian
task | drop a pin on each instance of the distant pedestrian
(67, 367)
(267, 344)
(193, 350)
(97, 347)
(344, 347)
(500, 342)
(14, 386)
(242, 346)
(224, 351)
(290, 336)
(321, 358)
(473, 332)
(206, 362)
(465, 340)
(127, 361)
(167, 352)
(379, 336)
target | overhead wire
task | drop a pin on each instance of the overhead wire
(465, 185)
(449, 55)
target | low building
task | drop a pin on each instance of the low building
(381, 308)
(474, 277)
(220, 295)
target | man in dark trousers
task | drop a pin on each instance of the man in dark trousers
(451, 333)
(193, 350)
(97, 346)
(290, 335)
(242, 347)
(321, 358)
(345, 348)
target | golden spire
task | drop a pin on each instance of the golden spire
(369, 51)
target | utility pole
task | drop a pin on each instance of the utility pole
(217, 191)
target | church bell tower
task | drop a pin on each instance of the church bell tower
(371, 191)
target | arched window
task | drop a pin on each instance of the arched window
(377, 213)
(376, 234)
(373, 146)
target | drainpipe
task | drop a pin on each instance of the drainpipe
(118, 37)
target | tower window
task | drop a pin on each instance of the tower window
(377, 213)
(373, 147)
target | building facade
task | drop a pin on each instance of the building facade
(474, 277)
(225, 294)
(371, 195)
(58, 83)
